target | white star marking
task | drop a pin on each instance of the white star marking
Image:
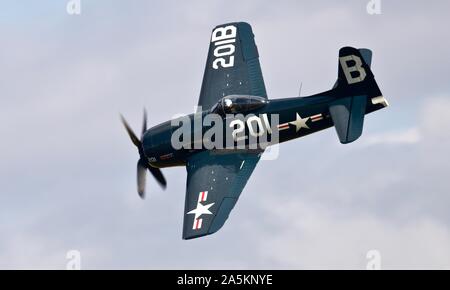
(300, 123)
(201, 210)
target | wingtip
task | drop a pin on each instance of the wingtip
(193, 237)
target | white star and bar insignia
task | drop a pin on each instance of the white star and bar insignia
(300, 122)
(200, 210)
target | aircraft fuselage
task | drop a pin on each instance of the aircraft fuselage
(296, 117)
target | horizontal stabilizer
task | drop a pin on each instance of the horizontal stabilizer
(348, 117)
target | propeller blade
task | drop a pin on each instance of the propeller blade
(144, 123)
(130, 132)
(142, 164)
(157, 174)
(141, 175)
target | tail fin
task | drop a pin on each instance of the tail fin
(366, 55)
(354, 73)
(356, 93)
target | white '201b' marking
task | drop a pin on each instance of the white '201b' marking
(224, 39)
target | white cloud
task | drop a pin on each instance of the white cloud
(409, 136)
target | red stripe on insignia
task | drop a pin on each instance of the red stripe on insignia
(283, 126)
(202, 196)
(196, 225)
(316, 118)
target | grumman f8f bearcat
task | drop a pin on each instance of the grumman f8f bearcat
(233, 85)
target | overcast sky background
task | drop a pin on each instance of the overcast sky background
(67, 167)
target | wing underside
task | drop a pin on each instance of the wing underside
(215, 181)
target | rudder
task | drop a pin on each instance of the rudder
(353, 89)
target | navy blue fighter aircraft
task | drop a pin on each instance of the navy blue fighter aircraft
(232, 85)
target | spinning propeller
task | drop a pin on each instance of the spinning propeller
(143, 164)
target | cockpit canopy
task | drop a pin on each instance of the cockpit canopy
(235, 104)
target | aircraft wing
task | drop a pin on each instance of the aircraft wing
(214, 182)
(232, 67)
